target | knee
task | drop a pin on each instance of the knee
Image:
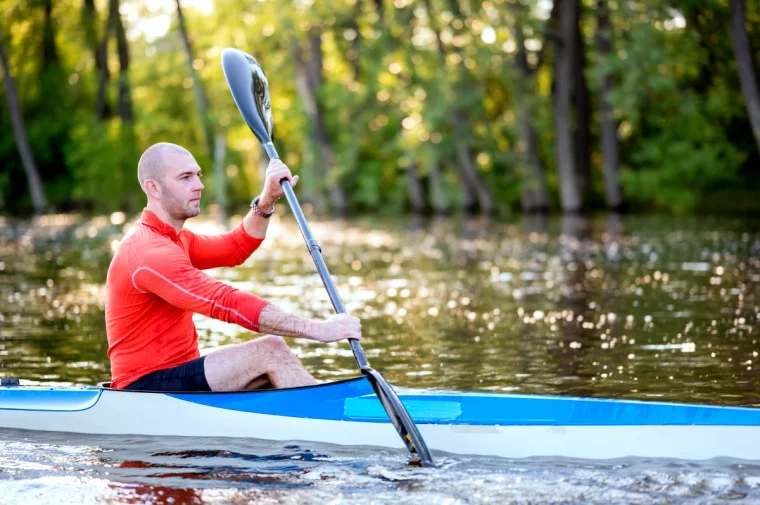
(274, 344)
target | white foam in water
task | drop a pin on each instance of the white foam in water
(63, 469)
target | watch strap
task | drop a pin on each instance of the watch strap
(258, 211)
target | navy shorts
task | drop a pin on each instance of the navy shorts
(185, 377)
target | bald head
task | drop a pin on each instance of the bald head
(154, 161)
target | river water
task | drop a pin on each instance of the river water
(650, 308)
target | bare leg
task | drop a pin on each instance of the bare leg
(240, 367)
(260, 382)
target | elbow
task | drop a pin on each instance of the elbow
(241, 255)
(239, 259)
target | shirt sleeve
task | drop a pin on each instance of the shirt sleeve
(224, 250)
(167, 272)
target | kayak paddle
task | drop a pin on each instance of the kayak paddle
(250, 90)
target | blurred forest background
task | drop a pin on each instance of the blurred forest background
(390, 106)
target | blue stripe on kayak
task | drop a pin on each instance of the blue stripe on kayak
(354, 400)
(52, 400)
(429, 411)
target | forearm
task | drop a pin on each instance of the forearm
(255, 225)
(277, 171)
(276, 321)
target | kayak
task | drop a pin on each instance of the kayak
(348, 412)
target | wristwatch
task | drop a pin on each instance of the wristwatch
(258, 211)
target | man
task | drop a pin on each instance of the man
(155, 284)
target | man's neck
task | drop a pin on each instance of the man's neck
(160, 213)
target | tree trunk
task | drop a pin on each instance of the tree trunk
(314, 61)
(582, 130)
(467, 168)
(569, 190)
(125, 93)
(462, 127)
(696, 16)
(307, 78)
(353, 54)
(214, 144)
(476, 192)
(102, 109)
(610, 158)
(534, 197)
(310, 106)
(746, 66)
(395, 41)
(220, 190)
(22, 141)
(551, 36)
(49, 50)
(198, 89)
(437, 191)
(414, 187)
(89, 26)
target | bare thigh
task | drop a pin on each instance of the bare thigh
(252, 364)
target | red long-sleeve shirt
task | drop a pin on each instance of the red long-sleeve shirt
(154, 286)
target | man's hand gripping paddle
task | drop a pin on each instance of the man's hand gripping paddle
(250, 90)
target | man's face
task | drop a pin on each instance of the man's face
(181, 187)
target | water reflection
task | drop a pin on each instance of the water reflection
(640, 307)
(571, 352)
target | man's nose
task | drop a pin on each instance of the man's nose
(200, 184)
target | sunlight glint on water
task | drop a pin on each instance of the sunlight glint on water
(642, 308)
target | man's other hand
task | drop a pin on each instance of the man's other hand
(276, 171)
(338, 327)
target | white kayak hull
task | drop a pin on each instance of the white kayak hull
(447, 421)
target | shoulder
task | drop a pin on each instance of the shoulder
(147, 246)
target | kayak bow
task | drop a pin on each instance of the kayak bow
(348, 412)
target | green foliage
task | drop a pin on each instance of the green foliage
(388, 92)
(102, 158)
(686, 157)
(674, 112)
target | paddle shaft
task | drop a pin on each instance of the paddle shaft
(387, 396)
(316, 254)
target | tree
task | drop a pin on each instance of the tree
(570, 195)
(534, 197)
(22, 141)
(610, 158)
(309, 79)
(125, 90)
(415, 189)
(745, 65)
(476, 192)
(199, 92)
(582, 103)
(403, 105)
(102, 108)
(89, 18)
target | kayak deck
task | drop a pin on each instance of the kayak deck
(348, 412)
(354, 400)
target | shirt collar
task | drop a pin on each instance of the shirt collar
(152, 221)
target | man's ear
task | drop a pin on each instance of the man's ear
(151, 187)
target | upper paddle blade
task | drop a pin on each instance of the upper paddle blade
(250, 90)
